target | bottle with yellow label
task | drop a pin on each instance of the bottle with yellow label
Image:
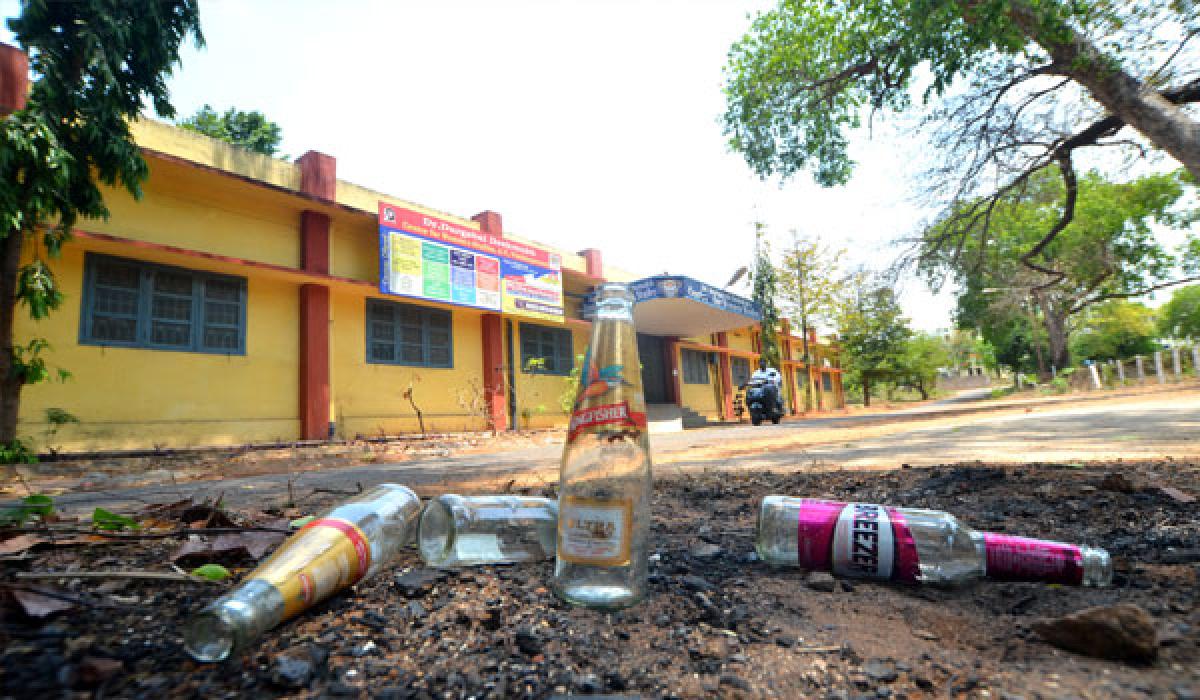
(354, 540)
(605, 479)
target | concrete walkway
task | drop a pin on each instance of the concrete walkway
(1147, 427)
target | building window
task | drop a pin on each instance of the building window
(739, 368)
(827, 381)
(695, 367)
(403, 334)
(128, 303)
(546, 350)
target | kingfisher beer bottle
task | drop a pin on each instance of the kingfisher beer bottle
(604, 481)
(354, 540)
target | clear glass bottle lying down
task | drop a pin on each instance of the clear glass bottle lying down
(470, 530)
(913, 545)
(352, 541)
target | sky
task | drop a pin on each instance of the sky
(585, 124)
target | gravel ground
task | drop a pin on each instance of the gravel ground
(717, 623)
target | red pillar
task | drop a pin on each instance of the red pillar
(593, 263)
(318, 177)
(726, 377)
(14, 79)
(674, 377)
(493, 342)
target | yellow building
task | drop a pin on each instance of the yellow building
(240, 301)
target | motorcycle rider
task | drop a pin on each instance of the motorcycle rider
(770, 378)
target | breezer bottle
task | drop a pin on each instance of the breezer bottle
(354, 540)
(604, 480)
(912, 545)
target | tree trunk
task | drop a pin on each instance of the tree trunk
(10, 384)
(866, 382)
(1056, 332)
(1138, 105)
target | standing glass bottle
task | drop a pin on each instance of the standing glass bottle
(605, 480)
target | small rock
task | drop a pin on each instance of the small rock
(1122, 632)
(822, 581)
(881, 671)
(735, 681)
(364, 649)
(288, 671)
(418, 581)
(1116, 481)
(94, 670)
(922, 682)
(528, 641)
(589, 684)
(705, 550)
(696, 583)
(341, 689)
(416, 610)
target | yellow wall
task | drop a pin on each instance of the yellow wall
(187, 208)
(368, 399)
(128, 398)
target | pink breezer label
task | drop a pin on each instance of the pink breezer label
(1012, 558)
(856, 539)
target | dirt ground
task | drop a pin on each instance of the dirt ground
(717, 622)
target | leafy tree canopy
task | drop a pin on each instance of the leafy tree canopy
(250, 130)
(1115, 330)
(1108, 250)
(809, 71)
(96, 65)
(872, 330)
(764, 292)
(919, 360)
(810, 281)
(1180, 317)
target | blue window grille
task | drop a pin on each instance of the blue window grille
(546, 350)
(695, 367)
(403, 334)
(134, 304)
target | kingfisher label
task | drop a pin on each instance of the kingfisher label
(606, 414)
(330, 554)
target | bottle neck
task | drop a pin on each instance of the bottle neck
(1011, 558)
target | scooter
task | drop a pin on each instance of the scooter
(763, 400)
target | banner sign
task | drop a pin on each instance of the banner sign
(679, 287)
(427, 257)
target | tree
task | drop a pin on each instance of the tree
(1108, 251)
(763, 277)
(1115, 330)
(249, 130)
(96, 64)
(810, 283)
(1180, 317)
(919, 360)
(872, 330)
(1015, 89)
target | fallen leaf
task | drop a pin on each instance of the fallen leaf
(19, 544)
(38, 605)
(1176, 495)
(94, 670)
(212, 572)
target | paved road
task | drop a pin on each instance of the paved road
(1147, 428)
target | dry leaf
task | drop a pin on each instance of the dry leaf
(19, 544)
(38, 605)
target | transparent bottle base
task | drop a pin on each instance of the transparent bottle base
(1097, 567)
(599, 597)
(208, 637)
(435, 533)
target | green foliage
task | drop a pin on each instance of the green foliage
(566, 400)
(919, 360)
(107, 520)
(1115, 330)
(249, 130)
(810, 282)
(17, 452)
(873, 331)
(1109, 249)
(1180, 317)
(301, 522)
(765, 291)
(809, 71)
(98, 64)
(211, 572)
(33, 506)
